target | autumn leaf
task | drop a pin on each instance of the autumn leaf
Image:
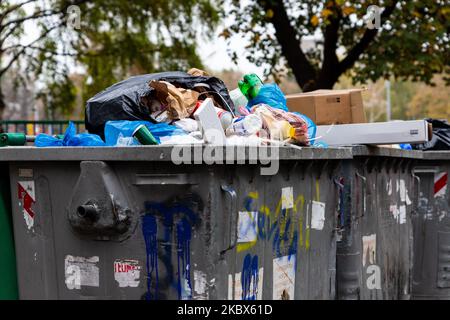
(225, 34)
(314, 20)
(326, 12)
(348, 11)
(269, 14)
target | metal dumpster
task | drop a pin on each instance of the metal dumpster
(431, 267)
(8, 279)
(374, 250)
(127, 223)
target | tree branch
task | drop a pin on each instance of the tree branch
(366, 40)
(19, 53)
(13, 8)
(303, 71)
(328, 74)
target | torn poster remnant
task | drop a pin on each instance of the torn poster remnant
(127, 273)
(27, 197)
(284, 278)
(81, 271)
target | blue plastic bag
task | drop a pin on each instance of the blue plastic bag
(405, 146)
(124, 128)
(271, 95)
(71, 139)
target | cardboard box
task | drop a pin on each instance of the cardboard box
(329, 106)
(393, 132)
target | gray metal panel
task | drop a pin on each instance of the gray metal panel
(431, 229)
(373, 255)
(168, 232)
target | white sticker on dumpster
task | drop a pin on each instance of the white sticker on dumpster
(27, 197)
(253, 291)
(200, 285)
(287, 198)
(318, 215)
(284, 278)
(247, 226)
(127, 273)
(404, 197)
(369, 249)
(402, 216)
(81, 271)
(230, 287)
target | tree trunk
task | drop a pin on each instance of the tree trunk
(2, 106)
(2, 102)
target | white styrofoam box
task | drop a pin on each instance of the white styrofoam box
(392, 132)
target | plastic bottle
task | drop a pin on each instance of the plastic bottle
(239, 100)
(225, 117)
(250, 85)
(245, 126)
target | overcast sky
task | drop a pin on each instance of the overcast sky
(213, 52)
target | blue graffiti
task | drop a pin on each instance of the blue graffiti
(182, 215)
(268, 229)
(183, 252)
(250, 278)
(149, 229)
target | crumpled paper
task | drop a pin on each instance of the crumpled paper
(180, 102)
(198, 73)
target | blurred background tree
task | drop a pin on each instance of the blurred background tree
(49, 67)
(114, 39)
(412, 44)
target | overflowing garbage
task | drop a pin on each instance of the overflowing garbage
(189, 108)
(194, 107)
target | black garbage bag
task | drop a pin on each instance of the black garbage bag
(440, 139)
(128, 99)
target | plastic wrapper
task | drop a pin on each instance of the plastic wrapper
(133, 98)
(71, 139)
(440, 139)
(271, 95)
(117, 131)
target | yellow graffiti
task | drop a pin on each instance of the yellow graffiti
(244, 246)
(300, 199)
(317, 190)
(303, 221)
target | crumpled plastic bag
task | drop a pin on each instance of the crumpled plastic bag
(71, 139)
(131, 99)
(187, 124)
(271, 95)
(116, 131)
(275, 121)
(180, 102)
(440, 139)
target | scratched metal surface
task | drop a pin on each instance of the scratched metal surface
(181, 229)
(431, 221)
(374, 253)
(178, 226)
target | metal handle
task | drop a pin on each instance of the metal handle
(363, 193)
(340, 223)
(232, 238)
(164, 179)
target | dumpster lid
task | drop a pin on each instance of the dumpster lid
(158, 153)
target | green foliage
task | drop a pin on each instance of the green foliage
(413, 43)
(60, 101)
(116, 39)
